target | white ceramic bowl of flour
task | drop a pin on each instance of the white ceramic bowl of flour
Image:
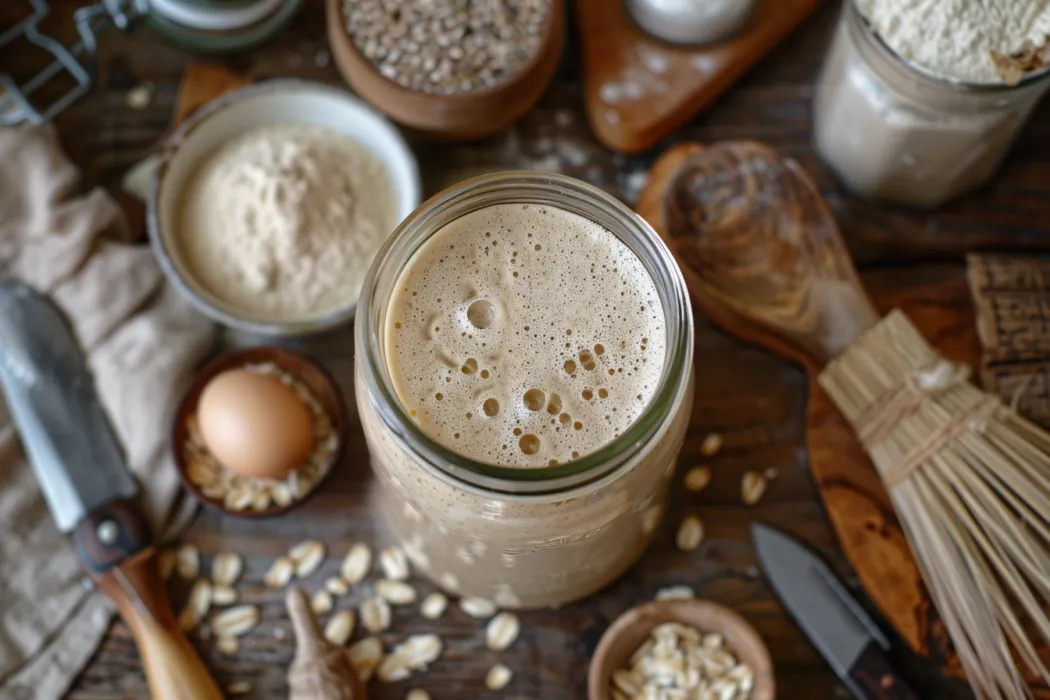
(270, 104)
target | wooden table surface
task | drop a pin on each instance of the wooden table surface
(755, 401)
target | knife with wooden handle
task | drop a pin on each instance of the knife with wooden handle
(834, 621)
(80, 467)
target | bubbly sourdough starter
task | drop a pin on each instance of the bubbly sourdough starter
(523, 336)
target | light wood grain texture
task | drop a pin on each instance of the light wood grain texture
(640, 89)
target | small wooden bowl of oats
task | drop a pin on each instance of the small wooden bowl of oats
(716, 645)
(257, 496)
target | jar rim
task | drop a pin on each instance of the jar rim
(861, 23)
(554, 190)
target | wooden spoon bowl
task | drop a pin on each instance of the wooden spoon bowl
(632, 628)
(759, 249)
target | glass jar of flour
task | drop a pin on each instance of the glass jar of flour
(524, 380)
(896, 132)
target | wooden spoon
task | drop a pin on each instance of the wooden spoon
(320, 670)
(759, 249)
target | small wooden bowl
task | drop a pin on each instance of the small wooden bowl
(632, 628)
(317, 379)
(459, 117)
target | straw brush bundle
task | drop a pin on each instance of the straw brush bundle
(970, 480)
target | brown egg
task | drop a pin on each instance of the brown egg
(255, 425)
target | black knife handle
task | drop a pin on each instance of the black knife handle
(111, 534)
(873, 678)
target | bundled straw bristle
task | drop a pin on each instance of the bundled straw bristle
(970, 480)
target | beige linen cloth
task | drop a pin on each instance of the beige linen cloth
(143, 343)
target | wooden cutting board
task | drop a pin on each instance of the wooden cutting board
(852, 491)
(640, 89)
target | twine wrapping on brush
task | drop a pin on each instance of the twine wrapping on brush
(970, 481)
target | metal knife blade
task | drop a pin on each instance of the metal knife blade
(71, 445)
(833, 620)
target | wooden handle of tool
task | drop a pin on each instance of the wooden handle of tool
(875, 679)
(115, 544)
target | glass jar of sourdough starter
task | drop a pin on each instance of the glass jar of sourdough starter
(894, 132)
(525, 537)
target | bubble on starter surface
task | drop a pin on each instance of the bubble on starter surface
(481, 314)
(535, 399)
(526, 316)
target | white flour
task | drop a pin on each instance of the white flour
(282, 222)
(954, 38)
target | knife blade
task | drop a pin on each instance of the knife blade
(844, 634)
(72, 447)
(79, 463)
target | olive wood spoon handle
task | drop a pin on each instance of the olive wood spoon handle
(759, 249)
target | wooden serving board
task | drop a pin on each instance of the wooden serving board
(639, 89)
(852, 492)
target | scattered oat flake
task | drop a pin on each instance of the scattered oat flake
(239, 688)
(357, 563)
(340, 627)
(394, 563)
(396, 592)
(690, 534)
(752, 487)
(417, 694)
(697, 479)
(675, 593)
(307, 556)
(365, 655)
(196, 606)
(226, 568)
(224, 595)
(140, 96)
(502, 631)
(481, 608)
(434, 606)
(280, 573)
(393, 668)
(418, 651)
(375, 614)
(235, 622)
(711, 445)
(321, 602)
(227, 646)
(498, 677)
(189, 562)
(336, 586)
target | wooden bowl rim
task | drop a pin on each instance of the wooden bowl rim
(240, 358)
(556, 14)
(760, 661)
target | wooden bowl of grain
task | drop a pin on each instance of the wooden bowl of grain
(631, 630)
(459, 116)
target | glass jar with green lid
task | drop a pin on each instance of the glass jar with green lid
(524, 533)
